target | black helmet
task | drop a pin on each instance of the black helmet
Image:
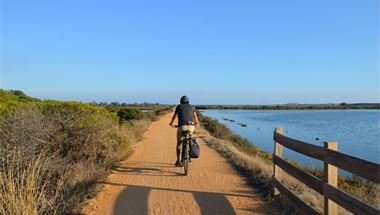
(184, 100)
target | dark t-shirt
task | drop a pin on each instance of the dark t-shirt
(185, 114)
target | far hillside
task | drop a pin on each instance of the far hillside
(15, 96)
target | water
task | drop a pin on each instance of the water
(356, 131)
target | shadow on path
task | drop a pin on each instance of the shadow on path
(213, 203)
(134, 200)
(147, 168)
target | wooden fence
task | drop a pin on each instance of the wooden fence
(328, 185)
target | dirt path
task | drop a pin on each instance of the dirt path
(149, 183)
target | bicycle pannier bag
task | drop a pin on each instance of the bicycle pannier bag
(194, 148)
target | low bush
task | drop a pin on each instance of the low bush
(126, 114)
(52, 152)
(78, 135)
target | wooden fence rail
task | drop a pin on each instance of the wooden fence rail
(328, 186)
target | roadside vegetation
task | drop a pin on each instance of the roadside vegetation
(257, 165)
(52, 153)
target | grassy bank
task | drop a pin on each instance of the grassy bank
(258, 167)
(52, 153)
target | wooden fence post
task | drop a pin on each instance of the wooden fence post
(331, 178)
(276, 169)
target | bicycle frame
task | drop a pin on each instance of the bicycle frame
(185, 154)
(185, 149)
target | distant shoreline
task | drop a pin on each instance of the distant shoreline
(342, 106)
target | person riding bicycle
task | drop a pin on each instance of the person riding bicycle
(187, 120)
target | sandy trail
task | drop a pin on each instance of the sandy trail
(149, 183)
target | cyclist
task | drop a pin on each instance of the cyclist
(187, 120)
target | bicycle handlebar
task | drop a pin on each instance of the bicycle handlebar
(176, 126)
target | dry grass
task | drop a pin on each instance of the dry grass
(236, 149)
(29, 188)
(52, 154)
(368, 192)
(260, 171)
(130, 133)
(133, 131)
(255, 167)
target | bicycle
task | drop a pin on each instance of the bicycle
(185, 149)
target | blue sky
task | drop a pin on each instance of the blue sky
(219, 52)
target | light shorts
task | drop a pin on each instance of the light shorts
(190, 128)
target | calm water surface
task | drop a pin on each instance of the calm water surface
(356, 131)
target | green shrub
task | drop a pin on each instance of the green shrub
(65, 147)
(127, 114)
(81, 140)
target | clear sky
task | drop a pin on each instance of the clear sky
(219, 52)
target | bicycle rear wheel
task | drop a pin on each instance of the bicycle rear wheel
(186, 158)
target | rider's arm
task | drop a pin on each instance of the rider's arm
(195, 118)
(174, 116)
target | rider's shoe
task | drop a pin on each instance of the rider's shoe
(177, 163)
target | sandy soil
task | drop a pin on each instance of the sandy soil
(149, 183)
